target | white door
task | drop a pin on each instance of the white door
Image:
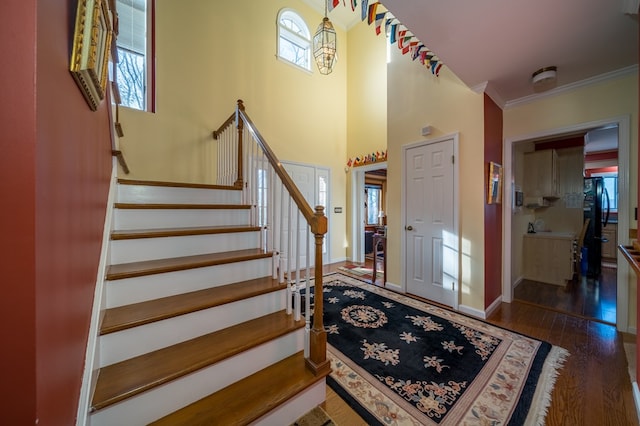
(430, 222)
(313, 183)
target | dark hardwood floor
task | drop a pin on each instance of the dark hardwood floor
(593, 387)
(585, 297)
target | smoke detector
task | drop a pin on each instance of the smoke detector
(544, 79)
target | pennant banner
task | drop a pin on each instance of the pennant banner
(367, 159)
(407, 42)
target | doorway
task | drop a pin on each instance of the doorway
(430, 221)
(583, 287)
(359, 214)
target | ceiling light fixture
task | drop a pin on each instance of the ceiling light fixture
(544, 79)
(324, 44)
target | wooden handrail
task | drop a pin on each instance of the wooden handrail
(632, 255)
(227, 123)
(317, 223)
(121, 160)
(316, 219)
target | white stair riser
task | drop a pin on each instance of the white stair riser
(293, 409)
(140, 249)
(162, 400)
(158, 194)
(128, 219)
(116, 347)
(148, 287)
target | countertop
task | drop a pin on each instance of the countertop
(556, 235)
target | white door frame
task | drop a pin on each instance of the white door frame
(356, 253)
(454, 137)
(624, 141)
(326, 258)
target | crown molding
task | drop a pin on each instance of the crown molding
(633, 69)
(490, 90)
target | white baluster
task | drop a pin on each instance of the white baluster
(296, 305)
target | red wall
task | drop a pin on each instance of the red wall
(55, 167)
(17, 213)
(492, 212)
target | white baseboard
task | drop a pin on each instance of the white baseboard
(472, 311)
(92, 361)
(492, 307)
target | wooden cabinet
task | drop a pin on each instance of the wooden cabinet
(540, 174)
(548, 257)
(609, 248)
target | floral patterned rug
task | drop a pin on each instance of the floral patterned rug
(399, 361)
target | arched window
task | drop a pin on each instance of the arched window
(294, 39)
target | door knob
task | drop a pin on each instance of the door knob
(409, 228)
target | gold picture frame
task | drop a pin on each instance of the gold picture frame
(91, 46)
(494, 187)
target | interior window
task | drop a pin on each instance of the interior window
(611, 185)
(294, 39)
(373, 206)
(134, 48)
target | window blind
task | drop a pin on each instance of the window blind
(132, 25)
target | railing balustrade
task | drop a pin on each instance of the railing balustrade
(246, 161)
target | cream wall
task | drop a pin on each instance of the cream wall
(416, 98)
(208, 55)
(366, 101)
(605, 100)
(366, 91)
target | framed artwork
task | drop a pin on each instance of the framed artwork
(90, 52)
(494, 187)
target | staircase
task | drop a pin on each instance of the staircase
(195, 329)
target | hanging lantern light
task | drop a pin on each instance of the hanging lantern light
(324, 45)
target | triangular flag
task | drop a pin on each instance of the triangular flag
(333, 4)
(400, 37)
(379, 18)
(372, 12)
(354, 4)
(387, 26)
(392, 35)
(365, 8)
(415, 49)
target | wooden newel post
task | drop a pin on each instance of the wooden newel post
(317, 360)
(240, 125)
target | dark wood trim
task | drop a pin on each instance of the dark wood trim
(180, 232)
(182, 206)
(632, 255)
(122, 380)
(136, 314)
(173, 184)
(121, 160)
(159, 266)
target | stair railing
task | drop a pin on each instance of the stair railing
(247, 162)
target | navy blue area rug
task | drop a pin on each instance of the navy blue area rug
(397, 361)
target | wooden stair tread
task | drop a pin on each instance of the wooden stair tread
(125, 317)
(127, 378)
(249, 399)
(177, 232)
(176, 184)
(182, 206)
(157, 266)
